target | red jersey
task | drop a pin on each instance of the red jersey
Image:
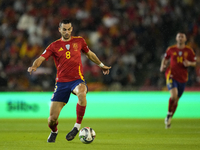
(67, 58)
(176, 69)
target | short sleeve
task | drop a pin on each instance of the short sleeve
(167, 54)
(192, 56)
(47, 52)
(85, 48)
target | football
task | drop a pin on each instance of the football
(87, 135)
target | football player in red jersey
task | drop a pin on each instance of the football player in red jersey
(179, 57)
(66, 53)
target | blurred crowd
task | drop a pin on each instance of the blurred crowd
(131, 36)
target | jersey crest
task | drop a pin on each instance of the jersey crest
(185, 54)
(75, 46)
(67, 46)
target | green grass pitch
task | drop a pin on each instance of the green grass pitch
(111, 134)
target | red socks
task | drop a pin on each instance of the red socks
(174, 109)
(80, 111)
(53, 127)
(172, 106)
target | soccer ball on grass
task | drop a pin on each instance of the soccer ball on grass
(87, 135)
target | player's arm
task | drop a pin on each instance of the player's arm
(188, 63)
(92, 56)
(36, 64)
(164, 64)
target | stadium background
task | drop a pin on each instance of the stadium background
(130, 36)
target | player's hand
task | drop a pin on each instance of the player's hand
(105, 70)
(186, 63)
(31, 69)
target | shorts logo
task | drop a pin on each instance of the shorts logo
(52, 96)
(75, 46)
(67, 46)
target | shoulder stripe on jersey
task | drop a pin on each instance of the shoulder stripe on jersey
(53, 42)
(57, 40)
(190, 49)
(173, 46)
(77, 37)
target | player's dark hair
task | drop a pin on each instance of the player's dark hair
(181, 31)
(65, 21)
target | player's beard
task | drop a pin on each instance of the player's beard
(66, 36)
(181, 43)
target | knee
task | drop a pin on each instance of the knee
(82, 99)
(52, 119)
(81, 95)
(174, 97)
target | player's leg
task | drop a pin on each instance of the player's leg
(173, 100)
(181, 87)
(59, 99)
(80, 90)
(55, 109)
(173, 89)
(171, 106)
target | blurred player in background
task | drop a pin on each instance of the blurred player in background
(66, 52)
(179, 57)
